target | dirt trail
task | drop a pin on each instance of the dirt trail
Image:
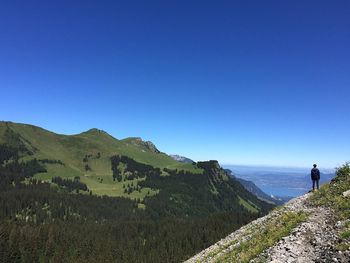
(312, 241)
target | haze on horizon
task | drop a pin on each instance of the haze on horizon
(243, 82)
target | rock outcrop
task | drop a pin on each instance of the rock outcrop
(346, 193)
(181, 159)
(147, 144)
(312, 241)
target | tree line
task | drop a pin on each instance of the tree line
(133, 169)
(69, 184)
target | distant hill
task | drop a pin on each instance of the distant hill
(280, 182)
(251, 187)
(181, 159)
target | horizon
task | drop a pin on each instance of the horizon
(281, 169)
(248, 165)
(252, 84)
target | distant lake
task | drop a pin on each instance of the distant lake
(280, 181)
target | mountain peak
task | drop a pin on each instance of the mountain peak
(140, 142)
(94, 130)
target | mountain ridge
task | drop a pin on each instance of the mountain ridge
(87, 156)
(254, 189)
(78, 189)
(79, 154)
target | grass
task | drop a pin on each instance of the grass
(57, 170)
(331, 195)
(114, 188)
(262, 239)
(345, 234)
(71, 149)
(98, 184)
(250, 207)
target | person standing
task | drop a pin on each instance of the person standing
(315, 177)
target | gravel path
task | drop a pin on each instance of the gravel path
(312, 241)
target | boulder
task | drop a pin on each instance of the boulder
(346, 193)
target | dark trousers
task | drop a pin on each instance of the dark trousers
(313, 183)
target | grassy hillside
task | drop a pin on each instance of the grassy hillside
(96, 146)
(129, 168)
(64, 221)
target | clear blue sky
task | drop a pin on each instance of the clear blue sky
(244, 82)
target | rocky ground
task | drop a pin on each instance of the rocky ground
(312, 241)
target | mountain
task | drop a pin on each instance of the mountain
(181, 159)
(128, 168)
(90, 197)
(252, 188)
(87, 155)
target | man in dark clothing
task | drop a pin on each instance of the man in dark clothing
(315, 176)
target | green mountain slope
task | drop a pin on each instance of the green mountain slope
(97, 145)
(79, 203)
(129, 168)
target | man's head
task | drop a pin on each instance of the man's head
(315, 165)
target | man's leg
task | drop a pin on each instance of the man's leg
(313, 184)
(317, 182)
